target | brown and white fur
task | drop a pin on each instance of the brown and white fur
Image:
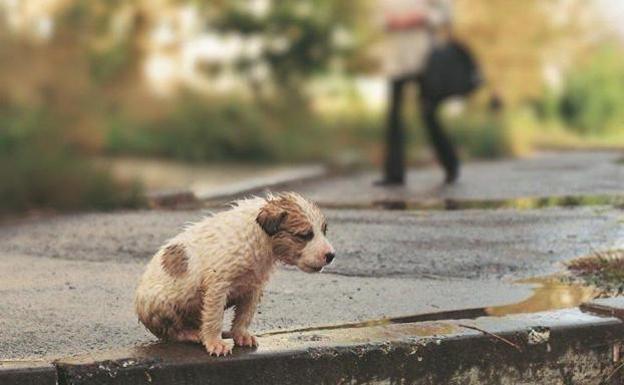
(226, 260)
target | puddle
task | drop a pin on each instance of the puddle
(445, 315)
(526, 203)
(393, 331)
(550, 294)
(359, 335)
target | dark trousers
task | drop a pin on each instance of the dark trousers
(395, 140)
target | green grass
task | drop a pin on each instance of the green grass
(604, 269)
(200, 130)
(39, 169)
(206, 130)
(481, 135)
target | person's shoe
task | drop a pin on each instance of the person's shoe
(451, 175)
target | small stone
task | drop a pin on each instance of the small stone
(538, 335)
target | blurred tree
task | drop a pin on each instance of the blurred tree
(592, 95)
(83, 63)
(298, 38)
(516, 40)
(90, 61)
(79, 67)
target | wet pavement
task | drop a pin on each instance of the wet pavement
(66, 282)
(565, 346)
(53, 307)
(61, 294)
(558, 174)
(474, 244)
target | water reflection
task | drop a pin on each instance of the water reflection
(550, 294)
(523, 203)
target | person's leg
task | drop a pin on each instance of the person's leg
(394, 166)
(444, 149)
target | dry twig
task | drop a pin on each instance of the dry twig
(505, 340)
(617, 368)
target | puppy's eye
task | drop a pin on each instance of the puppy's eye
(324, 228)
(308, 235)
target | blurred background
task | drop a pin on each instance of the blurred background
(103, 100)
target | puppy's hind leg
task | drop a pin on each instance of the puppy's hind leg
(188, 335)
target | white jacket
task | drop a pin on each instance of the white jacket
(404, 52)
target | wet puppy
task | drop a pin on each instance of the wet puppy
(226, 260)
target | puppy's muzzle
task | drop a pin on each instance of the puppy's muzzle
(329, 257)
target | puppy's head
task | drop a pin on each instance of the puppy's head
(297, 230)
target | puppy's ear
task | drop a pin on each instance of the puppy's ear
(270, 218)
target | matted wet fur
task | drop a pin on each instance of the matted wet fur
(226, 260)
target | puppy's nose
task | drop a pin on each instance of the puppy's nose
(329, 257)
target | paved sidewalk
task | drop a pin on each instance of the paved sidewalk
(544, 175)
(66, 283)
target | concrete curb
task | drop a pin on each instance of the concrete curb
(564, 346)
(287, 177)
(27, 373)
(184, 199)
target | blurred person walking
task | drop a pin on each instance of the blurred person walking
(419, 49)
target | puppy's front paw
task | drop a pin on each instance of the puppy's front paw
(217, 347)
(244, 338)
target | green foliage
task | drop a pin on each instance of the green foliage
(103, 36)
(107, 64)
(236, 130)
(300, 37)
(226, 129)
(39, 169)
(304, 37)
(604, 269)
(481, 135)
(593, 96)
